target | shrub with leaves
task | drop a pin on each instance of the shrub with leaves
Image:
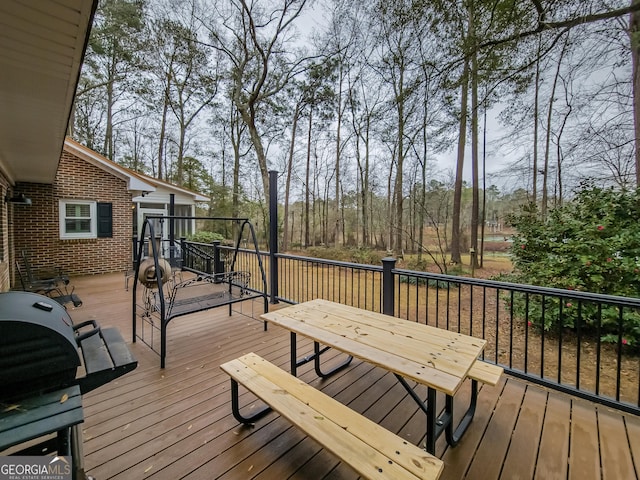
(590, 244)
(206, 237)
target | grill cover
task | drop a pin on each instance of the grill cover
(38, 351)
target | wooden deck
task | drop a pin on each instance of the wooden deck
(176, 423)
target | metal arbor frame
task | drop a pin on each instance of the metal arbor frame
(159, 306)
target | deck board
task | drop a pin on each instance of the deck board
(584, 455)
(177, 423)
(495, 441)
(615, 453)
(554, 442)
(632, 425)
(520, 461)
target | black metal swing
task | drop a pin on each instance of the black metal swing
(165, 298)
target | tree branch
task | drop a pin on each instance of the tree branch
(564, 24)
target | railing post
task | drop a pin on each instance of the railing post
(183, 250)
(273, 235)
(134, 256)
(388, 297)
(217, 262)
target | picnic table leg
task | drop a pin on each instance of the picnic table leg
(294, 355)
(453, 437)
(444, 422)
(317, 352)
(432, 422)
(315, 356)
(235, 407)
(435, 424)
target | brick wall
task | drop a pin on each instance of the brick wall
(36, 227)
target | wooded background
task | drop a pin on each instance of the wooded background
(358, 104)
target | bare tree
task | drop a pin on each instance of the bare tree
(254, 36)
(191, 79)
(545, 172)
(112, 60)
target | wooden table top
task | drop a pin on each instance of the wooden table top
(428, 355)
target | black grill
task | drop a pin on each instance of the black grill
(41, 349)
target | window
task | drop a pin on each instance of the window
(85, 219)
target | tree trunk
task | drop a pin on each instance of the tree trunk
(423, 173)
(338, 153)
(545, 179)
(536, 103)
(634, 24)
(285, 226)
(236, 136)
(307, 200)
(180, 160)
(366, 235)
(475, 207)
(399, 197)
(108, 135)
(390, 220)
(163, 126)
(256, 141)
(457, 194)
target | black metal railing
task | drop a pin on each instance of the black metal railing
(305, 278)
(216, 257)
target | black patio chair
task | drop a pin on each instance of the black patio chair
(56, 277)
(51, 284)
(44, 287)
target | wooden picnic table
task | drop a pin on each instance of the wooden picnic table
(439, 359)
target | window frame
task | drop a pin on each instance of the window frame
(93, 218)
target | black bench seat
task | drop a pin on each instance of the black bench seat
(207, 291)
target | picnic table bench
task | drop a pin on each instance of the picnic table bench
(371, 450)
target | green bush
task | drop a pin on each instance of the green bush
(590, 244)
(205, 237)
(434, 283)
(366, 256)
(412, 263)
(362, 256)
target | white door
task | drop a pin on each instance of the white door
(160, 228)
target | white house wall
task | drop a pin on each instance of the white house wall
(163, 198)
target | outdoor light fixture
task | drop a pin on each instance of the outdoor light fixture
(19, 199)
